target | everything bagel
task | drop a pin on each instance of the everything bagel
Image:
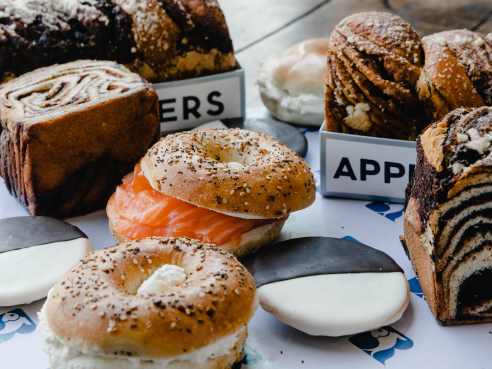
(231, 187)
(157, 302)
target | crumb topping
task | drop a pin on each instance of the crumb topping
(469, 140)
(157, 38)
(473, 51)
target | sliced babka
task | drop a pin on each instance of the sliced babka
(448, 216)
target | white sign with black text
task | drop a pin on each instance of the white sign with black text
(363, 167)
(188, 103)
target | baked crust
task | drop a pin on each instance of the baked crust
(178, 321)
(420, 257)
(63, 150)
(232, 171)
(374, 62)
(432, 141)
(457, 71)
(160, 39)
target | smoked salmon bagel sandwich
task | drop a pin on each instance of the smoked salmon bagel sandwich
(229, 187)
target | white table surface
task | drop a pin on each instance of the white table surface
(417, 341)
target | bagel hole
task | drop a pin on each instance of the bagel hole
(132, 285)
(224, 155)
(234, 161)
(142, 267)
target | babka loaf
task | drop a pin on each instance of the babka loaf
(457, 71)
(384, 80)
(374, 63)
(448, 216)
(160, 39)
(70, 132)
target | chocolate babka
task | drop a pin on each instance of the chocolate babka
(374, 63)
(448, 216)
(70, 132)
(457, 71)
(160, 39)
(384, 80)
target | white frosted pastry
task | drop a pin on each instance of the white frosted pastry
(292, 84)
(329, 287)
(35, 252)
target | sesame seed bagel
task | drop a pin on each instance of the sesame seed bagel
(236, 172)
(163, 300)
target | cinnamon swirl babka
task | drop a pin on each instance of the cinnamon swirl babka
(448, 216)
(384, 80)
(374, 62)
(160, 39)
(457, 71)
(70, 132)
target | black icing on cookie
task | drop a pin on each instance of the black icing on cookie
(309, 256)
(21, 232)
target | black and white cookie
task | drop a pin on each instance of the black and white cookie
(329, 287)
(35, 252)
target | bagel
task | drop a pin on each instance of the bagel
(230, 187)
(152, 304)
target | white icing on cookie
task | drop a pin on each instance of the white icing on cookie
(27, 274)
(337, 304)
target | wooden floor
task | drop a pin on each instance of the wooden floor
(261, 28)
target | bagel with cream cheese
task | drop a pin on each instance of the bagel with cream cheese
(157, 303)
(230, 187)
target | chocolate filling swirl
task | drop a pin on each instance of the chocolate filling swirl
(70, 86)
(452, 190)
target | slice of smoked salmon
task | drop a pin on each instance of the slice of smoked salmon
(137, 211)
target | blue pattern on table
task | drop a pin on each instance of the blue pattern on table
(390, 211)
(415, 287)
(382, 344)
(14, 322)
